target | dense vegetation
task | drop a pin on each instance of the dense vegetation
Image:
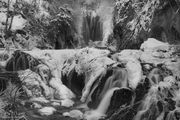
(65, 24)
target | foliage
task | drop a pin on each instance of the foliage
(61, 28)
(3, 104)
(48, 25)
(134, 18)
(11, 97)
(9, 101)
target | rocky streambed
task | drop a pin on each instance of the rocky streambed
(93, 84)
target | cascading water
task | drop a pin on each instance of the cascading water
(91, 74)
(91, 22)
(92, 27)
(103, 106)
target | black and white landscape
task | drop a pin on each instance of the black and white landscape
(89, 60)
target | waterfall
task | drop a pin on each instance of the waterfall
(147, 102)
(118, 79)
(92, 27)
(94, 20)
(103, 106)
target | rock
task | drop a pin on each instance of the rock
(77, 114)
(67, 103)
(155, 76)
(129, 52)
(21, 61)
(86, 61)
(90, 73)
(173, 66)
(46, 111)
(142, 89)
(3, 17)
(148, 57)
(74, 81)
(34, 85)
(153, 44)
(93, 115)
(160, 53)
(37, 106)
(134, 69)
(170, 79)
(31, 83)
(55, 104)
(110, 78)
(39, 99)
(18, 23)
(134, 73)
(177, 113)
(120, 98)
(61, 91)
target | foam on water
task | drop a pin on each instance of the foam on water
(103, 106)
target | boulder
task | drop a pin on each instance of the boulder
(152, 44)
(46, 111)
(18, 23)
(33, 84)
(78, 115)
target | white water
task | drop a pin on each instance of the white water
(134, 69)
(89, 84)
(99, 8)
(145, 106)
(103, 106)
(106, 6)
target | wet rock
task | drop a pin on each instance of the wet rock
(153, 45)
(156, 52)
(155, 76)
(55, 104)
(60, 90)
(39, 99)
(114, 77)
(174, 67)
(21, 61)
(77, 114)
(74, 81)
(142, 89)
(94, 115)
(46, 111)
(171, 104)
(160, 106)
(67, 103)
(91, 73)
(155, 57)
(33, 84)
(129, 52)
(18, 23)
(3, 84)
(122, 97)
(95, 97)
(37, 106)
(177, 114)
